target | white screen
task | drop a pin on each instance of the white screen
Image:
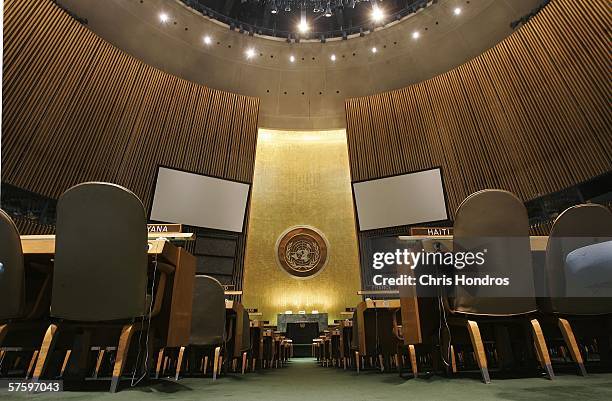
(197, 200)
(400, 200)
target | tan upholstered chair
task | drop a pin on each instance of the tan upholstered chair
(496, 220)
(207, 327)
(100, 274)
(12, 273)
(239, 340)
(579, 257)
(24, 298)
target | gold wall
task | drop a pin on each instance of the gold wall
(301, 178)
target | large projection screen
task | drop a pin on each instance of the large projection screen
(400, 200)
(199, 200)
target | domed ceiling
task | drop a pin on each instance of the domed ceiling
(305, 19)
(302, 84)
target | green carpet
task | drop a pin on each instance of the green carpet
(303, 379)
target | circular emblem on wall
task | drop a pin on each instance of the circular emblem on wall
(302, 251)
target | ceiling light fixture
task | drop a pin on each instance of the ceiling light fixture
(457, 11)
(292, 58)
(415, 35)
(303, 26)
(207, 40)
(250, 53)
(374, 50)
(328, 10)
(377, 13)
(333, 57)
(163, 17)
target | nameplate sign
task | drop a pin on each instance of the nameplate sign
(431, 231)
(164, 228)
(251, 310)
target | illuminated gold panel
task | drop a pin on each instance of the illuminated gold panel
(301, 178)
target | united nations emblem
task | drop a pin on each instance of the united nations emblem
(302, 251)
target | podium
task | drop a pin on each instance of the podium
(283, 319)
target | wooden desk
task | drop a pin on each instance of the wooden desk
(537, 242)
(174, 319)
(376, 292)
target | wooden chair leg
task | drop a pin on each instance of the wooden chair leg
(205, 366)
(2, 355)
(244, 362)
(45, 349)
(122, 351)
(413, 361)
(357, 361)
(572, 345)
(179, 363)
(541, 348)
(381, 361)
(30, 371)
(99, 361)
(3, 331)
(166, 364)
(398, 364)
(453, 360)
(216, 362)
(160, 359)
(479, 350)
(65, 363)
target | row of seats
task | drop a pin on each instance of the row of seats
(466, 327)
(100, 293)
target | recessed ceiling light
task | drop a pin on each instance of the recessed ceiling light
(292, 58)
(457, 11)
(374, 50)
(333, 57)
(415, 35)
(250, 53)
(163, 17)
(207, 40)
(377, 13)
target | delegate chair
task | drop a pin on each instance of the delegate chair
(24, 294)
(496, 220)
(239, 335)
(354, 345)
(246, 339)
(257, 344)
(578, 264)
(100, 275)
(207, 327)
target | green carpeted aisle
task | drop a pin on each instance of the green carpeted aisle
(304, 380)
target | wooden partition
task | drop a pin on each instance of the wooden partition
(531, 115)
(75, 108)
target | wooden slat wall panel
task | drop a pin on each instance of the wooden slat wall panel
(78, 109)
(531, 115)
